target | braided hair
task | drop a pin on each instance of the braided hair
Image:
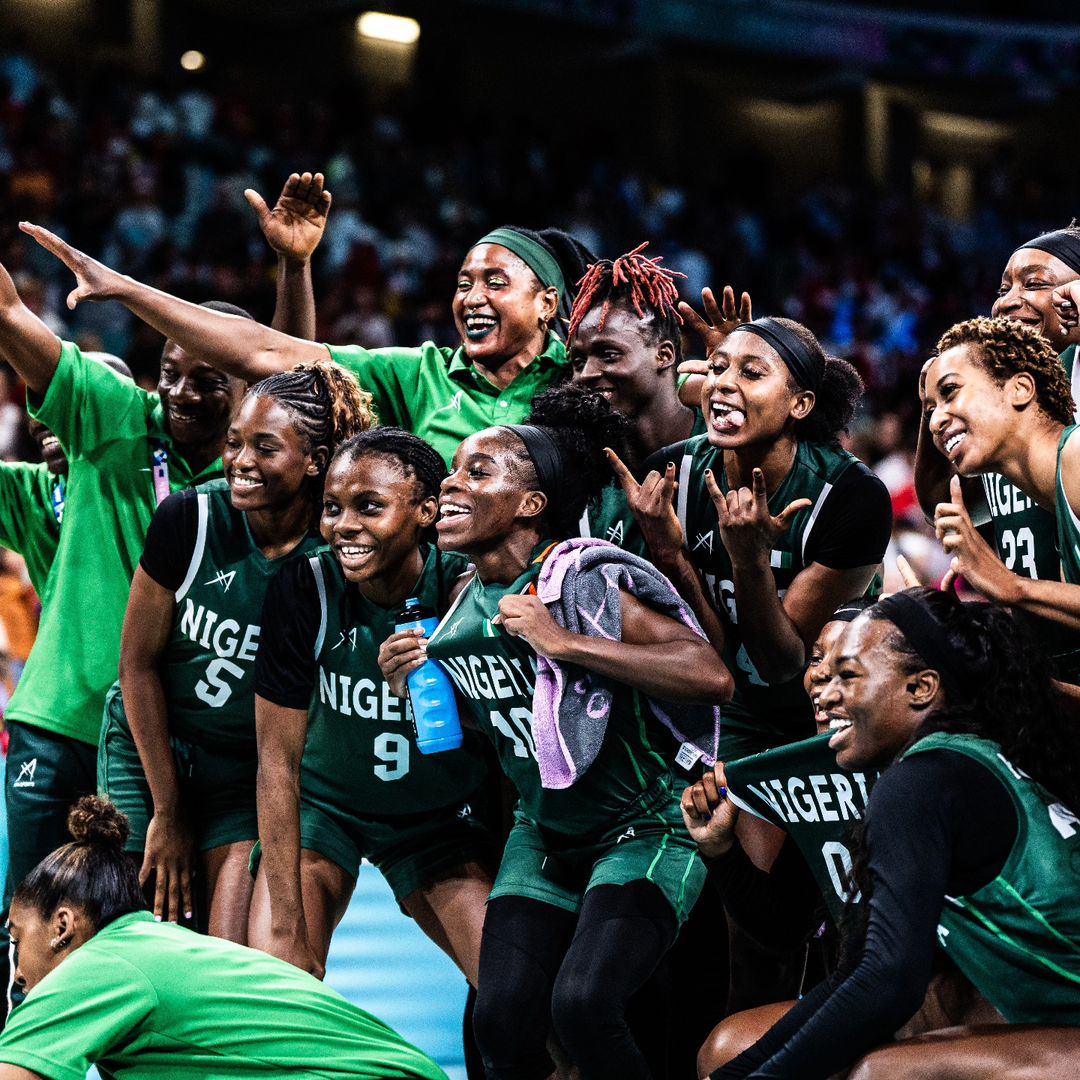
(92, 873)
(633, 281)
(416, 458)
(326, 403)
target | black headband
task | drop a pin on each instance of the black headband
(544, 453)
(927, 636)
(1062, 244)
(807, 366)
(848, 612)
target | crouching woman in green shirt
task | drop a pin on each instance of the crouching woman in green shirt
(107, 985)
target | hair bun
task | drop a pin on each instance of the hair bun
(95, 820)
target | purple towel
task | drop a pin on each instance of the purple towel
(579, 584)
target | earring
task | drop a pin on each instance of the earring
(59, 943)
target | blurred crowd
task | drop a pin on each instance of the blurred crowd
(149, 177)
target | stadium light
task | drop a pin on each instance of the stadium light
(192, 60)
(383, 27)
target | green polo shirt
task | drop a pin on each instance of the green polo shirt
(109, 428)
(28, 524)
(437, 394)
(149, 1000)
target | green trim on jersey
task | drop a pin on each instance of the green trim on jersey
(437, 394)
(153, 1001)
(1067, 520)
(28, 524)
(109, 429)
(609, 517)
(360, 757)
(496, 674)
(801, 789)
(1018, 938)
(761, 715)
(1026, 538)
(208, 665)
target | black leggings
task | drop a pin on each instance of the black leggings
(543, 969)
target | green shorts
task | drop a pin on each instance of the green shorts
(649, 843)
(410, 851)
(217, 790)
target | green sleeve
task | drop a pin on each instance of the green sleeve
(391, 376)
(26, 514)
(88, 404)
(86, 1007)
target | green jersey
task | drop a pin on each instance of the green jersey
(437, 394)
(361, 749)
(1068, 522)
(801, 789)
(496, 675)
(1026, 537)
(114, 435)
(208, 663)
(1018, 938)
(779, 712)
(31, 507)
(152, 1001)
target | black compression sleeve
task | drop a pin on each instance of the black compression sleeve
(924, 814)
(779, 907)
(855, 523)
(170, 540)
(285, 662)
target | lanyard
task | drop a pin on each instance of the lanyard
(161, 472)
(58, 493)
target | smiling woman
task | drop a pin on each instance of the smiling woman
(177, 750)
(965, 852)
(996, 399)
(332, 791)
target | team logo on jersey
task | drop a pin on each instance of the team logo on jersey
(465, 811)
(26, 773)
(350, 637)
(223, 578)
(454, 403)
(615, 533)
(628, 835)
(703, 540)
(452, 629)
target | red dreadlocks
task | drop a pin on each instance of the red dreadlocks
(642, 280)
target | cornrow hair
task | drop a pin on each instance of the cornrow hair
(415, 456)
(1004, 348)
(326, 400)
(632, 281)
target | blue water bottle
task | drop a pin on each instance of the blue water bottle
(431, 693)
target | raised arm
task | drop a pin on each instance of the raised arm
(238, 346)
(692, 669)
(294, 229)
(26, 343)
(169, 850)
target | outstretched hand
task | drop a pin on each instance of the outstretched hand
(652, 502)
(720, 319)
(747, 527)
(94, 280)
(294, 227)
(911, 579)
(972, 555)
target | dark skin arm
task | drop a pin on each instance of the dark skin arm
(777, 634)
(17, 1072)
(169, 852)
(26, 343)
(237, 346)
(280, 733)
(294, 229)
(652, 502)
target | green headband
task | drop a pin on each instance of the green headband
(535, 256)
